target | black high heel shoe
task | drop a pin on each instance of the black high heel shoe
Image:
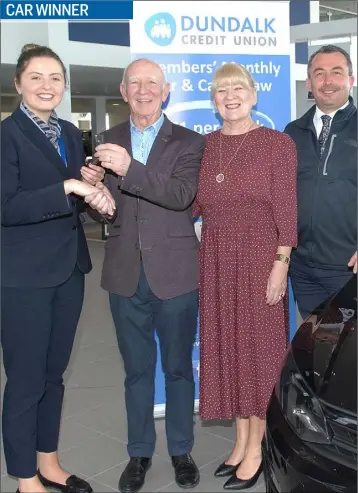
(225, 470)
(235, 483)
(73, 484)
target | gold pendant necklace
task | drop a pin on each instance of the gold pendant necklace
(220, 177)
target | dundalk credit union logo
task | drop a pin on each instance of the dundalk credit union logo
(161, 28)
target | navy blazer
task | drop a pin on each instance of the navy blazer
(42, 238)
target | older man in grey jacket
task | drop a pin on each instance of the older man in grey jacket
(151, 267)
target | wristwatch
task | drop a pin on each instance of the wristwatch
(282, 258)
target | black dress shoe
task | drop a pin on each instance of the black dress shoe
(133, 476)
(235, 483)
(186, 473)
(73, 484)
(225, 470)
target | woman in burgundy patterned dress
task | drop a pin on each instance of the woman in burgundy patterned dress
(247, 199)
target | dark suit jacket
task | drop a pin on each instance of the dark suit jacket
(154, 216)
(42, 238)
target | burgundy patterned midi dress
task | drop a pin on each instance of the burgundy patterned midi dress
(245, 218)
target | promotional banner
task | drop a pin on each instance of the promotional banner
(190, 40)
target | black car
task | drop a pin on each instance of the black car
(311, 436)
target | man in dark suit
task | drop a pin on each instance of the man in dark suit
(326, 141)
(151, 268)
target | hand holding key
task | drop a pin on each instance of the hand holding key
(114, 157)
(92, 172)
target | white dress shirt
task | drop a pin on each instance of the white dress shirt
(317, 120)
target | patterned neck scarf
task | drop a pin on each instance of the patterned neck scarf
(51, 129)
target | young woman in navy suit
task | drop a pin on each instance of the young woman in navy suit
(44, 259)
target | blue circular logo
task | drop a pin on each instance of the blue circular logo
(161, 28)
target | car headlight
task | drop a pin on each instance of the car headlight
(300, 407)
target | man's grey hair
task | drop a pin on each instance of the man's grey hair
(331, 49)
(124, 76)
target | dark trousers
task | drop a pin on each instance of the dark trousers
(175, 320)
(312, 286)
(37, 333)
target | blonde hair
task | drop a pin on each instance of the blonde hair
(231, 74)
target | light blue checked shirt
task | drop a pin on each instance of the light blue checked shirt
(142, 141)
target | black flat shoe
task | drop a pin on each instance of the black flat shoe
(235, 483)
(186, 472)
(133, 477)
(225, 470)
(73, 484)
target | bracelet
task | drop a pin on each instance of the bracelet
(282, 258)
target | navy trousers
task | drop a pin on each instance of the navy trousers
(175, 321)
(37, 333)
(312, 286)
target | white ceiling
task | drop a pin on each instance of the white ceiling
(345, 6)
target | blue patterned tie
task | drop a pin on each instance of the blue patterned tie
(323, 136)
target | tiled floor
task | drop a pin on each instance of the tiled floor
(93, 434)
